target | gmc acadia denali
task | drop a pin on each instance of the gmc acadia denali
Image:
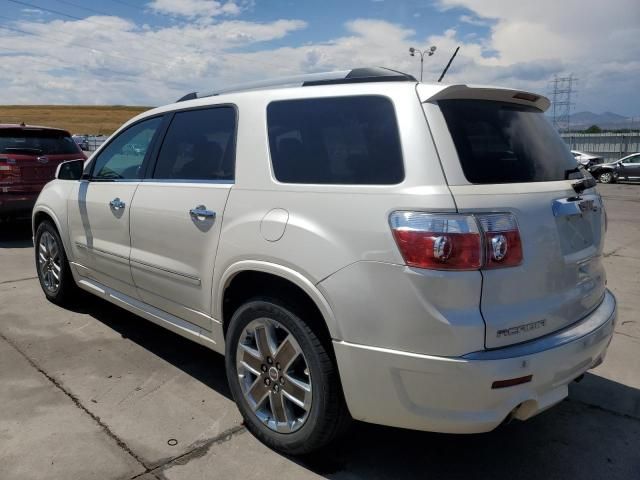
(357, 244)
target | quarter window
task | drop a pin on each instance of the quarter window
(342, 140)
(122, 158)
(199, 145)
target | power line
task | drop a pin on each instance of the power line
(105, 26)
(82, 7)
(44, 9)
(73, 17)
(161, 53)
(114, 55)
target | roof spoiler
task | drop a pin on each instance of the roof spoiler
(428, 94)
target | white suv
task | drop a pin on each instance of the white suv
(358, 244)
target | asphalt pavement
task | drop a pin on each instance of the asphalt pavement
(98, 393)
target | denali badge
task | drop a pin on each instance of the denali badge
(527, 327)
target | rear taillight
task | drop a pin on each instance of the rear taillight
(503, 247)
(457, 242)
(8, 169)
(440, 242)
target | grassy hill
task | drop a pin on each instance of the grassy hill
(82, 119)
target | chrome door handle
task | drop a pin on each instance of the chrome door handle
(201, 213)
(116, 204)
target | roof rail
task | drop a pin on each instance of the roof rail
(356, 75)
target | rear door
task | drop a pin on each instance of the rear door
(506, 157)
(99, 207)
(176, 214)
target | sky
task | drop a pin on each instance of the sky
(151, 52)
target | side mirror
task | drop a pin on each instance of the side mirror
(70, 170)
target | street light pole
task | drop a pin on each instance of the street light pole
(429, 52)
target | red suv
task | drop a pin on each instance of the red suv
(29, 156)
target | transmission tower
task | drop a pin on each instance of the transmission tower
(562, 92)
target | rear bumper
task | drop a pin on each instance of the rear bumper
(17, 203)
(455, 395)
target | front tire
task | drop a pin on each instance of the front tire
(606, 177)
(52, 266)
(283, 379)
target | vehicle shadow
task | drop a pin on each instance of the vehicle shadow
(586, 436)
(15, 234)
(199, 362)
(571, 440)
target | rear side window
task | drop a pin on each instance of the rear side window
(506, 143)
(345, 140)
(36, 142)
(199, 145)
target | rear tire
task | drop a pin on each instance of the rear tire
(290, 398)
(606, 177)
(52, 266)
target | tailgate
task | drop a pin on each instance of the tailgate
(500, 154)
(561, 278)
(31, 169)
(29, 156)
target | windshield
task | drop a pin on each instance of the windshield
(501, 142)
(36, 142)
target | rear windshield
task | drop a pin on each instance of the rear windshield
(36, 142)
(343, 140)
(506, 143)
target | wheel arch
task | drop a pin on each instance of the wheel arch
(41, 213)
(281, 278)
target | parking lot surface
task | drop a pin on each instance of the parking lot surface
(96, 392)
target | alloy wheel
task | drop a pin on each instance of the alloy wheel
(49, 262)
(274, 375)
(605, 177)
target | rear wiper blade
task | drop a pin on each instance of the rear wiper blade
(581, 185)
(570, 174)
(585, 179)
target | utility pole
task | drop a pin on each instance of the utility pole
(429, 52)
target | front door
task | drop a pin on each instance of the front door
(630, 167)
(177, 213)
(99, 208)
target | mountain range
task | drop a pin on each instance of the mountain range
(606, 120)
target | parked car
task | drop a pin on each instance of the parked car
(586, 159)
(357, 244)
(626, 168)
(82, 141)
(29, 156)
